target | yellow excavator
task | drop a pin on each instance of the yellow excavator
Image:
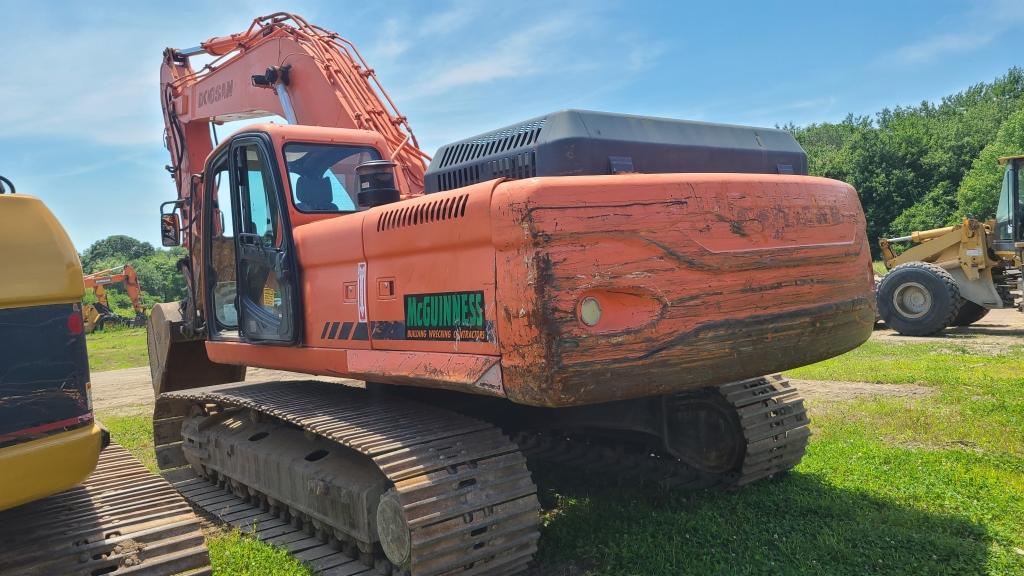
(58, 516)
(953, 276)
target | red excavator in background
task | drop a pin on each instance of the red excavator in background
(99, 314)
(603, 288)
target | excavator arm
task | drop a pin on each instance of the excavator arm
(285, 66)
(97, 282)
(281, 65)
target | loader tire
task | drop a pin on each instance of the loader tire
(969, 313)
(918, 299)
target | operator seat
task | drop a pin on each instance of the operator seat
(314, 194)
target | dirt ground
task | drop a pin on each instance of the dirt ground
(130, 391)
(990, 334)
(831, 390)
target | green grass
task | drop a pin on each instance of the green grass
(978, 401)
(134, 433)
(919, 486)
(879, 267)
(116, 348)
(231, 554)
(933, 485)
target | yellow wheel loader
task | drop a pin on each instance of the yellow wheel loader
(953, 276)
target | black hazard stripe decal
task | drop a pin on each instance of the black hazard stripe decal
(361, 332)
(342, 331)
(396, 330)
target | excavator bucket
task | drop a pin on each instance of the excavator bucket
(177, 361)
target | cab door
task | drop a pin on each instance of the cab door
(1008, 230)
(267, 279)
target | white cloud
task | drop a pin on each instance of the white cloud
(455, 18)
(931, 48)
(520, 54)
(93, 77)
(978, 28)
(643, 56)
(393, 40)
(400, 33)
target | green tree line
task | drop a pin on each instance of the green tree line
(924, 166)
(158, 275)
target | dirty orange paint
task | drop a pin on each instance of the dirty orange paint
(700, 279)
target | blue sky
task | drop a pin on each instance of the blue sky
(80, 122)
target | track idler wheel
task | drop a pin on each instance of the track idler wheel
(739, 432)
(393, 530)
(704, 430)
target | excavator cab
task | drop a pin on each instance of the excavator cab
(260, 184)
(1008, 230)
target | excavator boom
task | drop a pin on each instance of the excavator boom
(281, 65)
(124, 275)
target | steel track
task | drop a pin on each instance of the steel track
(770, 412)
(467, 495)
(775, 426)
(252, 517)
(123, 520)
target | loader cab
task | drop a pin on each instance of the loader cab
(259, 185)
(1009, 230)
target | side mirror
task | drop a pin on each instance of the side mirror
(170, 229)
(170, 223)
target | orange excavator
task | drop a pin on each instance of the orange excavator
(600, 289)
(99, 314)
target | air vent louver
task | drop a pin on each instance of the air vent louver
(493, 143)
(424, 213)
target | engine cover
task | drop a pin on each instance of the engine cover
(579, 142)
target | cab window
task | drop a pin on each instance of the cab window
(323, 176)
(1004, 212)
(259, 204)
(222, 248)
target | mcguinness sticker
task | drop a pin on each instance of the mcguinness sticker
(445, 316)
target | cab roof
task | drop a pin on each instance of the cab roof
(313, 134)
